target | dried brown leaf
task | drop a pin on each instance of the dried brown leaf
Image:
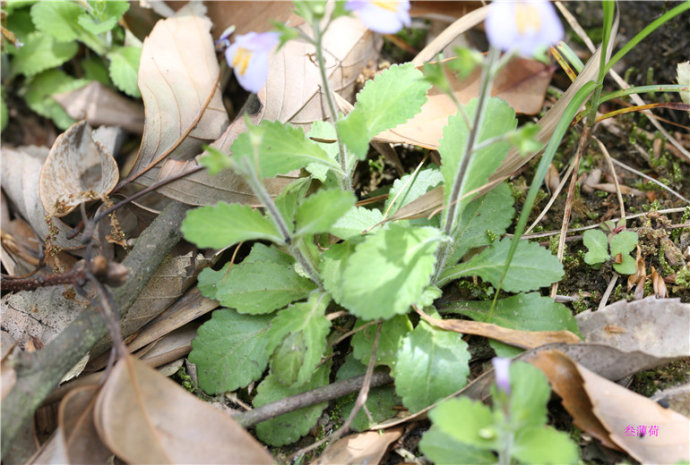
(658, 284)
(643, 322)
(21, 169)
(144, 417)
(178, 74)
(618, 413)
(100, 105)
(79, 168)
(514, 337)
(368, 447)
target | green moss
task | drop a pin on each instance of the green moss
(683, 277)
(665, 267)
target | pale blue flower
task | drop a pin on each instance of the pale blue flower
(502, 372)
(248, 56)
(382, 16)
(527, 26)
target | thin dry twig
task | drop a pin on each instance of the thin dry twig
(609, 161)
(553, 198)
(609, 290)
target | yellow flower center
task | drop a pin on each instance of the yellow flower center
(527, 18)
(241, 60)
(390, 5)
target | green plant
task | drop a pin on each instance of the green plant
(620, 244)
(514, 428)
(47, 42)
(279, 299)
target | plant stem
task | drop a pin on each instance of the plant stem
(258, 188)
(453, 211)
(345, 181)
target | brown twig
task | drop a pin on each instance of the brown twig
(359, 403)
(338, 389)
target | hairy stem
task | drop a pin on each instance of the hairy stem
(345, 181)
(453, 212)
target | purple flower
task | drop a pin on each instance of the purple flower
(248, 56)
(526, 26)
(383, 16)
(502, 372)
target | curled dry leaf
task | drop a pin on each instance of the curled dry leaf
(658, 284)
(21, 168)
(515, 337)
(100, 105)
(618, 417)
(178, 75)
(76, 440)
(643, 322)
(144, 417)
(368, 447)
(522, 83)
(79, 168)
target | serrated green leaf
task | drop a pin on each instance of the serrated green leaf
(230, 350)
(430, 365)
(41, 52)
(483, 162)
(529, 312)
(209, 279)
(59, 19)
(532, 267)
(597, 246)
(290, 198)
(280, 148)
(40, 88)
(491, 212)
(223, 225)
(333, 264)
(96, 70)
(96, 27)
(298, 338)
(390, 99)
(355, 222)
(389, 271)
(124, 69)
(104, 16)
(409, 188)
(214, 160)
(325, 131)
(466, 421)
(443, 449)
(320, 211)
(529, 394)
(261, 287)
(545, 445)
(380, 404)
(289, 427)
(392, 333)
(20, 23)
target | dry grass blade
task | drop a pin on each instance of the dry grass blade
(144, 417)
